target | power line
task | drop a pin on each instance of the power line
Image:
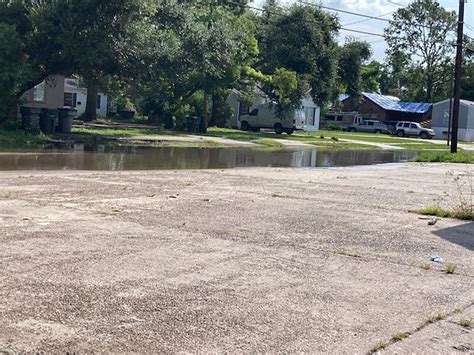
(361, 21)
(280, 14)
(346, 12)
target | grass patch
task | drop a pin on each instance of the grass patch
(426, 267)
(463, 213)
(451, 269)
(400, 336)
(466, 323)
(120, 132)
(270, 143)
(21, 139)
(276, 195)
(446, 157)
(379, 346)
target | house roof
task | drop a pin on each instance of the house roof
(463, 103)
(391, 103)
(343, 97)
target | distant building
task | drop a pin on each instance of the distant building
(441, 119)
(75, 96)
(48, 94)
(386, 108)
(58, 92)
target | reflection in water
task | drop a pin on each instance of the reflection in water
(102, 157)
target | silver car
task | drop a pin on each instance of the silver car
(370, 126)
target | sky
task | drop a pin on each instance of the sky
(376, 8)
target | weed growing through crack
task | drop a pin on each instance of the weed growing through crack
(466, 323)
(461, 202)
(276, 195)
(451, 269)
(400, 336)
(379, 346)
(426, 267)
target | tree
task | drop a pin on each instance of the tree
(421, 35)
(351, 59)
(371, 76)
(300, 39)
(84, 37)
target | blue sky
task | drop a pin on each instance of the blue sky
(377, 8)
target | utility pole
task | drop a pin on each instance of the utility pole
(457, 79)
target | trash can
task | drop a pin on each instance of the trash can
(193, 124)
(66, 116)
(30, 118)
(168, 120)
(126, 114)
(49, 120)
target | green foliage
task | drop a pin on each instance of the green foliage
(446, 157)
(351, 58)
(13, 72)
(420, 38)
(467, 83)
(21, 139)
(300, 39)
(371, 76)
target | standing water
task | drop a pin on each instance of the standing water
(150, 158)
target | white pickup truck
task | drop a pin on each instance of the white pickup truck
(266, 116)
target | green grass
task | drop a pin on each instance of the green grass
(271, 143)
(451, 269)
(466, 323)
(21, 139)
(465, 213)
(120, 132)
(446, 157)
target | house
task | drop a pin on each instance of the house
(58, 91)
(312, 111)
(75, 96)
(441, 119)
(387, 108)
(48, 94)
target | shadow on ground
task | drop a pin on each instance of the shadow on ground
(462, 235)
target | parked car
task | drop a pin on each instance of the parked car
(266, 116)
(369, 126)
(405, 128)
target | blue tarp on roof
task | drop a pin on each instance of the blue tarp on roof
(343, 97)
(391, 103)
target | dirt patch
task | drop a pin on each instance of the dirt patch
(245, 260)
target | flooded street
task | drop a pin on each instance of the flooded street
(150, 158)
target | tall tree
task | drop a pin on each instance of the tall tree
(300, 39)
(423, 33)
(351, 59)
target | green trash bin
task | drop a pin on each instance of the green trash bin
(49, 120)
(66, 117)
(30, 118)
(193, 124)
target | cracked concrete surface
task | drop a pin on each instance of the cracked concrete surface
(244, 260)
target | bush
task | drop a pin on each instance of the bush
(180, 117)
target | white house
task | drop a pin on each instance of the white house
(441, 120)
(312, 111)
(76, 97)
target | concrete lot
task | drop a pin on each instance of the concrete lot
(246, 260)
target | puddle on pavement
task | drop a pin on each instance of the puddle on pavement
(102, 157)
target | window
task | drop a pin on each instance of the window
(98, 101)
(39, 92)
(370, 123)
(414, 126)
(406, 125)
(254, 112)
(339, 118)
(70, 99)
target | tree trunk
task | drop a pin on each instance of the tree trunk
(205, 113)
(91, 105)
